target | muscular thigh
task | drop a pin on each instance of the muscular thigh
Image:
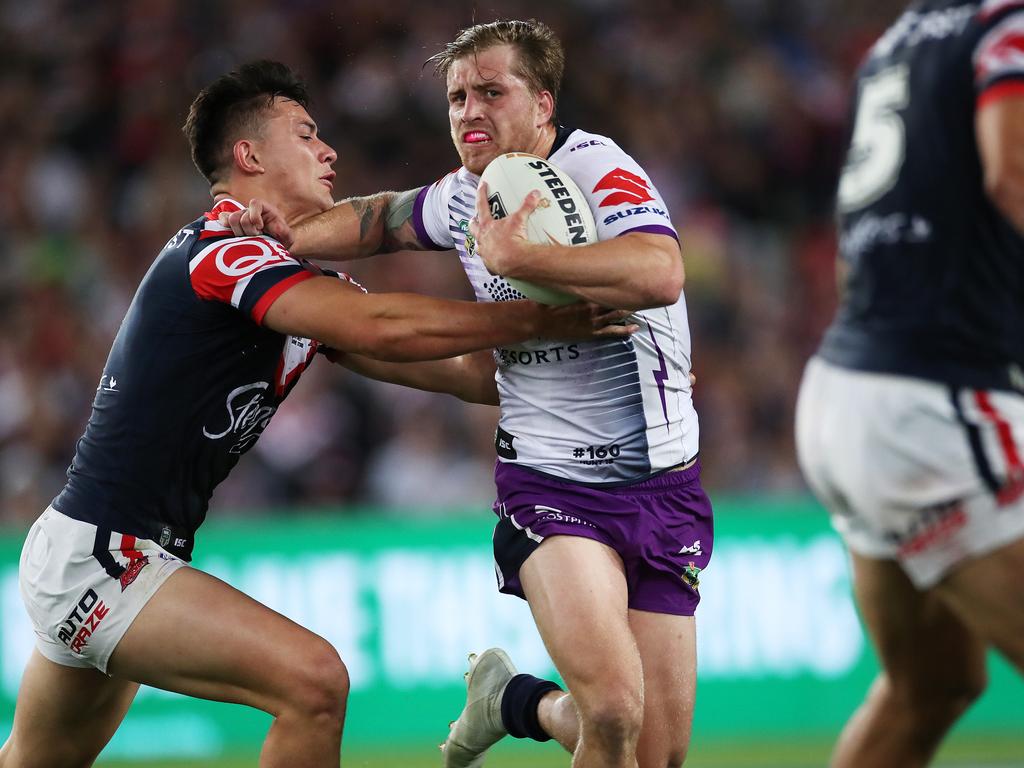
(65, 715)
(202, 637)
(987, 594)
(923, 646)
(576, 589)
(668, 651)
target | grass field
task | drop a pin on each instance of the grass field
(999, 752)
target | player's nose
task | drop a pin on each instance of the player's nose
(472, 108)
(327, 154)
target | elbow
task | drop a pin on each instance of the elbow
(666, 285)
(1006, 191)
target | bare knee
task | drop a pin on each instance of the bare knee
(319, 685)
(934, 703)
(663, 749)
(613, 716)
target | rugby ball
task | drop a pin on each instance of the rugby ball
(562, 217)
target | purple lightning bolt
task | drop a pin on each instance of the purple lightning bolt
(660, 374)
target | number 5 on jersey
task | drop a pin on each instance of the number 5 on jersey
(877, 147)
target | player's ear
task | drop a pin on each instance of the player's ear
(545, 107)
(244, 153)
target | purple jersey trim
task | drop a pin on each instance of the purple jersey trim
(654, 229)
(417, 222)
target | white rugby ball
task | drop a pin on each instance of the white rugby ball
(563, 215)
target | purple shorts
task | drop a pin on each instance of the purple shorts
(661, 528)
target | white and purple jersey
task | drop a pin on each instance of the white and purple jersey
(610, 411)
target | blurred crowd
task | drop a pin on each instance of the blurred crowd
(737, 108)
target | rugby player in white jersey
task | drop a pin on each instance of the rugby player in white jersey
(218, 334)
(602, 522)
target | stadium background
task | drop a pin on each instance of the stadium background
(364, 504)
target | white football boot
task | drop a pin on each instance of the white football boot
(479, 724)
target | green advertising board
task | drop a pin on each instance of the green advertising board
(781, 651)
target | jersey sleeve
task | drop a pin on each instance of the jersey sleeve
(999, 54)
(621, 194)
(249, 273)
(430, 214)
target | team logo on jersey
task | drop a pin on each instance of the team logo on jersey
(625, 187)
(470, 240)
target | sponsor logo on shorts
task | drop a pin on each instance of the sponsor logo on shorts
(82, 622)
(935, 526)
(694, 549)
(550, 513)
(1012, 489)
(131, 573)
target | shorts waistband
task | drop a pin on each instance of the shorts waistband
(680, 474)
(174, 540)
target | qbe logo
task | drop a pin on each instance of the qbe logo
(241, 258)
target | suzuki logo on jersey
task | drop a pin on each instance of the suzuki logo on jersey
(627, 188)
(247, 416)
(239, 258)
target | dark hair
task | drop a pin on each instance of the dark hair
(540, 60)
(233, 106)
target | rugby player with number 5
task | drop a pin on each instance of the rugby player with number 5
(910, 419)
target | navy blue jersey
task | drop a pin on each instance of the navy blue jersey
(191, 382)
(935, 274)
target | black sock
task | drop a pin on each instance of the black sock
(519, 706)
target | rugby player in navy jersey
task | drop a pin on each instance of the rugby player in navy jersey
(603, 525)
(910, 420)
(219, 332)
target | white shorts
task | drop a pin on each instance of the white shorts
(912, 470)
(83, 586)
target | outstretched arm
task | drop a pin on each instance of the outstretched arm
(352, 229)
(469, 377)
(407, 327)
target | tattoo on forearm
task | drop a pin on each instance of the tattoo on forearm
(367, 213)
(399, 232)
(400, 208)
